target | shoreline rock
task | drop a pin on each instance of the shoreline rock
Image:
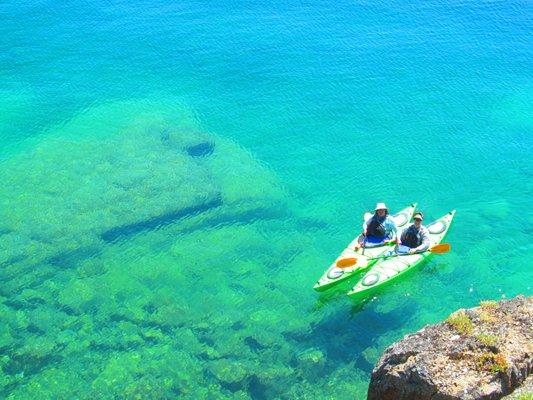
(479, 353)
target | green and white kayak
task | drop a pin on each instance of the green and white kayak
(335, 275)
(385, 270)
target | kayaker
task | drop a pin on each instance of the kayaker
(378, 229)
(416, 236)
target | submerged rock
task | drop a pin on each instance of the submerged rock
(117, 170)
(145, 304)
(480, 353)
(201, 149)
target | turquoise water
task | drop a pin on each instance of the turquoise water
(176, 177)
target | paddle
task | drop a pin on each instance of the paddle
(346, 262)
(364, 246)
(440, 248)
(437, 249)
(350, 261)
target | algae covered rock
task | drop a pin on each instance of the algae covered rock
(480, 353)
(228, 371)
(311, 362)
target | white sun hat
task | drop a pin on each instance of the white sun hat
(381, 206)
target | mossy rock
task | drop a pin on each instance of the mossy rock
(311, 362)
(52, 383)
(227, 371)
(461, 322)
(274, 372)
(35, 348)
(7, 340)
(77, 296)
(47, 319)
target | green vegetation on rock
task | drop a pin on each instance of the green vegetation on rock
(488, 305)
(460, 322)
(487, 340)
(492, 362)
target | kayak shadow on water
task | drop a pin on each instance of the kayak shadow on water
(353, 336)
(435, 267)
(339, 293)
(335, 293)
(359, 305)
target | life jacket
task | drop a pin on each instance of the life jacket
(376, 228)
(411, 237)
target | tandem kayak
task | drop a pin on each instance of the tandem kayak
(335, 275)
(385, 270)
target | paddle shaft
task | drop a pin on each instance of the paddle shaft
(436, 249)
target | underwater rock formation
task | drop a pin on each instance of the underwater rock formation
(168, 315)
(479, 353)
(117, 170)
(201, 149)
(134, 247)
(132, 263)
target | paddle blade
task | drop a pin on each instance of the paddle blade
(346, 262)
(440, 248)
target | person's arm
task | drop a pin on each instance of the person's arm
(365, 225)
(399, 238)
(361, 238)
(394, 229)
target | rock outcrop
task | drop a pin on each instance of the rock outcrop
(479, 353)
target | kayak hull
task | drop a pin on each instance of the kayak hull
(335, 275)
(387, 270)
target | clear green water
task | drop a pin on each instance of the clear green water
(175, 177)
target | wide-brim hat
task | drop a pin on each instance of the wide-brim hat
(381, 206)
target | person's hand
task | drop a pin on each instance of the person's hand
(398, 242)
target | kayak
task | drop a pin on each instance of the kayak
(386, 269)
(335, 275)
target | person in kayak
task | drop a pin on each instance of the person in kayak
(378, 229)
(416, 236)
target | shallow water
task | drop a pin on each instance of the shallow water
(175, 177)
